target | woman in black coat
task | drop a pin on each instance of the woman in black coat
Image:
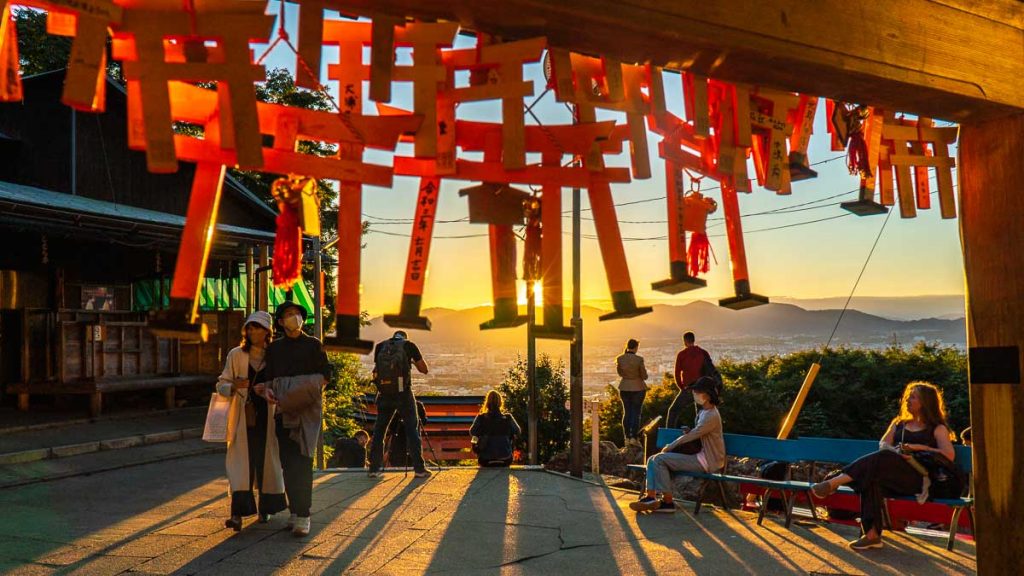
(493, 431)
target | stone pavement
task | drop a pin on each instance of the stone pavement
(168, 518)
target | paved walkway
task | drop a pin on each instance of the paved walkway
(168, 518)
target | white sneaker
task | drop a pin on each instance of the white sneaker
(301, 527)
(291, 522)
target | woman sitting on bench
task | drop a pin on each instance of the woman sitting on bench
(919, 427)
(709, 457)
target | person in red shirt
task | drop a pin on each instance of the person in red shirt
(689, 367)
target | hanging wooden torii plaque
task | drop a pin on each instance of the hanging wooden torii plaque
(744, 298)
(771, 113)
(287, 125)
(418, 258)
(591, 83)
(86, 22)
(149, 65)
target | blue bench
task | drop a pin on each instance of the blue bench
(805, 450)
(757, 447)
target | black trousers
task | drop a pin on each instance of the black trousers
(632, 406)
(298, 473)
(682, 402)
(404, 405)
(878, 476)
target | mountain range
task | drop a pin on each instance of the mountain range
(775, 321)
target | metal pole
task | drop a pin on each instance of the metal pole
(74, 153)
(250, 279)
(531, 371)
(576, 350)
(318, 332)
(318, 298)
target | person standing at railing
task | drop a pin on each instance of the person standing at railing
(632, 389)
(692, 362)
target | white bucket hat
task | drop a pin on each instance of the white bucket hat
(262, 319)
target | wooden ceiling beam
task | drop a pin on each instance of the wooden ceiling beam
(948, 59)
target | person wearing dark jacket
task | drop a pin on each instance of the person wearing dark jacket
(690, 366)
(493, 431)
(295, 355)
(393, 360)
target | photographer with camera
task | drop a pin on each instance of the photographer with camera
(392, 374)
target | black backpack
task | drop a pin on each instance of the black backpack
(708, 369)
(392, 366)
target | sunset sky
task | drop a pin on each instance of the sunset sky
(914, 257)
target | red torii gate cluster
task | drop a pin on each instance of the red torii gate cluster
(167, 47)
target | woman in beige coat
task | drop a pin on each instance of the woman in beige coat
(252, 458)
(632, 389)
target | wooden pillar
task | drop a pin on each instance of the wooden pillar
(991, 205)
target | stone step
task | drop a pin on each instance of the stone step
(91, 462)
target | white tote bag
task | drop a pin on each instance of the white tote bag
(217, 418)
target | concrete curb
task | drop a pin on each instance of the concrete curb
(88, 447)
(211, 449)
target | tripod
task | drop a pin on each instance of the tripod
(423, 435)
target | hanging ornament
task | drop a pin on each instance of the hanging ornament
(849, 122)
(532, 248)
(695, 221)
(293, 195)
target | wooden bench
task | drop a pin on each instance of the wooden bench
(814, 451)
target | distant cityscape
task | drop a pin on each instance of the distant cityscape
(468, 370)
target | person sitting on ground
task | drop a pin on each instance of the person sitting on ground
(632, 390)
(920, 427)
(709, 458)
(351, 452)
(493, 431)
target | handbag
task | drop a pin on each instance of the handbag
(947, 480)
(691, 448)
(217, 417)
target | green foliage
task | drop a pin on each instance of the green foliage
(552, 396)
(38, 51)
(855, 395)
(343, 397)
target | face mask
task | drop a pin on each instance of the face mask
(293, 323)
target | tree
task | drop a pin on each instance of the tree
(343, 398)
(552, 395)
(38, 51)
(855, 395)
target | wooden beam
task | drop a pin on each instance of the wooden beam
(991, 172)
(944, 59)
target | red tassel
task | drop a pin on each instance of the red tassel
(698, 253)
(287, 247)
(857, 155)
